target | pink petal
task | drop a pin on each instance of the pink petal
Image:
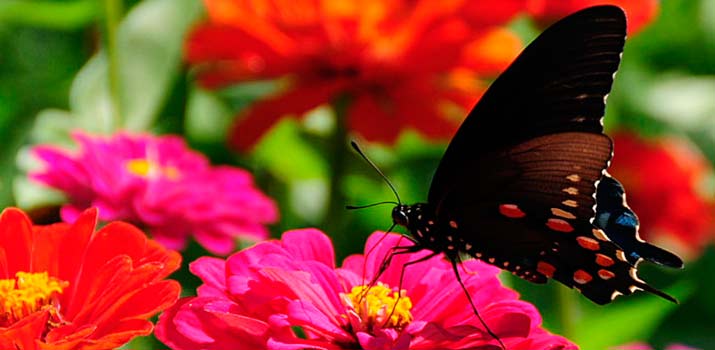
(309, 244)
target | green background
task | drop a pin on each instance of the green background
(55, 74)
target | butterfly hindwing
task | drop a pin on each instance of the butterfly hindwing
(621, 224)
(547, 174)
(590, 262)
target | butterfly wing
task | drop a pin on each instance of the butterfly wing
(615, 218)
(519, 177)
(558, 83)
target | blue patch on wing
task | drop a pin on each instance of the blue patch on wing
(627, 219)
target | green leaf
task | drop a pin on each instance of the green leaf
(208, 118)
(150, 42)
(149, 56)
(66, 15)
(288, 156)
(90, 101)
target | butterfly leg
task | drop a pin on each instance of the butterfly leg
(402, 276)
(471, 302)
(396, 250)
(377, 244)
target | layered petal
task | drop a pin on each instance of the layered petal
(158, 182)
(380, 55)
(101, 287)
(295, 298)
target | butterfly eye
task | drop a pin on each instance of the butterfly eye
(399, 216)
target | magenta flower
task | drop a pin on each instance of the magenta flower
(159, 183)
(288, 295)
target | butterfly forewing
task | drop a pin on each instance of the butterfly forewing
(558, 83)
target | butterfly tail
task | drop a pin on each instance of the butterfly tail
(658, 292)
(658, 255)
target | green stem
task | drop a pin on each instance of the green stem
(335, 219)
(567, 311)
(113, 11)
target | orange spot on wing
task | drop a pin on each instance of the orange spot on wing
(559, 225)
(582, 277)
(600, 234)
(605, 274)
(511, 211)
(588, 243)
(574, 178)
(545, 269)
(621, 256)
(604, 260)
(571, 190)
(570, 203)
(562, 213)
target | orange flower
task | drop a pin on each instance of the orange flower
(395, 60)
(639, 12)
(665, 180)
(68, 286)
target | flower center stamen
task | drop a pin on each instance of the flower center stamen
(379, 307)
(26, 294)
(148, 169)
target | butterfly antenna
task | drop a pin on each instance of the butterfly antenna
(360, 152)
(350, 207)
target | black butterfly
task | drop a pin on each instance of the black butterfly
(523, 184)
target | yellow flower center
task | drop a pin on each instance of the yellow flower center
(379, 307)
(26, 294)
(149, 169)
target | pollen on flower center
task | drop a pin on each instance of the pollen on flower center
(147, 168)
(377, 307)
(26, 294)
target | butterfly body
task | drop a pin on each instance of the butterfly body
(427, 232)
(523, 184)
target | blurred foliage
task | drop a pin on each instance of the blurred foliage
(57, 72)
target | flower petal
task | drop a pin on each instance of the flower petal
(16, 240)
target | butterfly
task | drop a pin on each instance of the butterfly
(523, 185)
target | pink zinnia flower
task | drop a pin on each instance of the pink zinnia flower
(159, 183)
(288, 294)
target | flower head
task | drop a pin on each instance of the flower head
(666, 181)
(158, 183)
(639, 12)
(402, 64)
(288, 294)
(67, 286)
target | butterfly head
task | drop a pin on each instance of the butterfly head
(400, 215)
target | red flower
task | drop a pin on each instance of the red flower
(401, 63)
(69, 287)
(639, 12)
(664, 179)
